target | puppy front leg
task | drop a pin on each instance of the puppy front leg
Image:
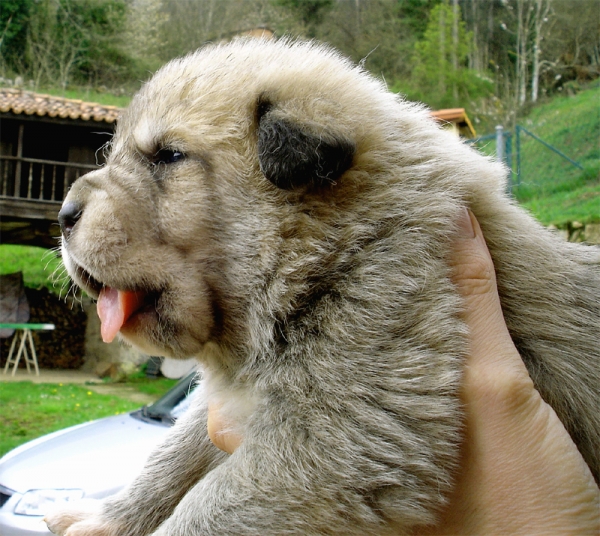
(171, 470)
(255, 492)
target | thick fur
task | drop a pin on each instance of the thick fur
(291, 220)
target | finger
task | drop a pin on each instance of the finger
(473, 268)
(473, 273)
(220, 432)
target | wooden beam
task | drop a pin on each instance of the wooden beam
(34, 209)
(41, 233)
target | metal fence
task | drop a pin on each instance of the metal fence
(532, 161)
(523, 144)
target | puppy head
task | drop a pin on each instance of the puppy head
(232, 181)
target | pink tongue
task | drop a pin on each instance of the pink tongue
(115, 307)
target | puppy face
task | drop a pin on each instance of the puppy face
(232, 184)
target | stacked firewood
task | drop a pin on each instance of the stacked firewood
(62, 348)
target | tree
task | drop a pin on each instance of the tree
(524, 13)
(310, 12)
(188, 24)
(101, 25)
(14, 16)
(66, 41)
(441, 74)
(54, 44)
(371, 32)
(379, 34)
(540, 18)
(527, 21)
(443, 52)
(571, 44)
(144, 19)
(512, 39)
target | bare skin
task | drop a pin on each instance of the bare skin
(220, 432)
(520, 471)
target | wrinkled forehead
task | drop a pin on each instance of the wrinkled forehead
(177, 107)
(214, 93)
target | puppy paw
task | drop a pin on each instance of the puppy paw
(60, 519)
(93, 527)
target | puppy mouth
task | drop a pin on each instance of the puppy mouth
(89, 284)
(119, 309)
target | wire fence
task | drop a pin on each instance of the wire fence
(538, 166)
(554, 160)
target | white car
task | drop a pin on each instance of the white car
(92, 460)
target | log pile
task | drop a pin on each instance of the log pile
(62, 348)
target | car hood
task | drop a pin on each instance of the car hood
(99, 457)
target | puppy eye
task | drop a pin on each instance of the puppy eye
(167, 156)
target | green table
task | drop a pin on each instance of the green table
(30, 356)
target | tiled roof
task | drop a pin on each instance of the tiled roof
(19, 101)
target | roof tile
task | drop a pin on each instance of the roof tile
(19, 101)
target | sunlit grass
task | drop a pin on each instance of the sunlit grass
(31, 410)
(555, 190)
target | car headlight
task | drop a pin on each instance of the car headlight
(37, 502)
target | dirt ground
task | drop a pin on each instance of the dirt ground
(50, 376)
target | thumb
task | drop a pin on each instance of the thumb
(473, 274)
(220, 432)
(473, 268)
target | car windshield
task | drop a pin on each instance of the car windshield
(167, 409)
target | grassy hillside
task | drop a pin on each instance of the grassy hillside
(553, 189)
(41, 267)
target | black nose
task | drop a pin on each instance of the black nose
(68, 216)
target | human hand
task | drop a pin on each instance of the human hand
(520, 471)
(220, 432)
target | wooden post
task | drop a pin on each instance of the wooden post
(42, 178)
(5, 177)
(500, 143)
(30, 180)
(17, 192)
(53, 195)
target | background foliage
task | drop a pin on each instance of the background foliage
(493, 57)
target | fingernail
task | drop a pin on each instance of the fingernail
(465, 224)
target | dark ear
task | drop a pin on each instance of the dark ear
(290, 155)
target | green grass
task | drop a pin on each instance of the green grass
(88, 95)
(153, 387)
(40, 267)
(30, 410)
(554, 190)
(579, 203)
